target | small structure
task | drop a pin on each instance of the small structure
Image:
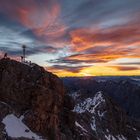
(21, 58)
(5, 55)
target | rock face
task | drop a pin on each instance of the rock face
(34, 92)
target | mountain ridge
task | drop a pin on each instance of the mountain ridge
(37, 106)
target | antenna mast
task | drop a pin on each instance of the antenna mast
(24, 52)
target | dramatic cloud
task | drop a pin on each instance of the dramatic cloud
(130, 63)
(125, 68)
(73, 69)
(41, 17)
(74, 37)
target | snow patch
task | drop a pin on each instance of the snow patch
(93, 124)
(78, 125)
(121, 137)
(89, 104)
(134, 129)
(16, 128)
(28, 63)
(6, 104)
(118, 137)
(101, 114)
(136, 79)
(101, 80)
(74, 95)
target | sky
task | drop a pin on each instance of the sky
(74, 37)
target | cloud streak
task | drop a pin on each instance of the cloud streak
(73, 69)
(125, 68)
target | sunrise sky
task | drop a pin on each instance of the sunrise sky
(74, 37)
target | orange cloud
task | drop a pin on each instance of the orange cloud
(120, 36)
(105, 45)
(125, 68)
(42, 19)
(44, 22)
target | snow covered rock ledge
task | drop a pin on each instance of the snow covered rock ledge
(15, 128)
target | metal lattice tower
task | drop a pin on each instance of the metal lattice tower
(24, 52)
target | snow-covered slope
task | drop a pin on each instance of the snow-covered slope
(100, 116)
(15, 128)
(89, 104)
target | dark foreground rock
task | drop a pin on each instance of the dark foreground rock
(31, 91)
